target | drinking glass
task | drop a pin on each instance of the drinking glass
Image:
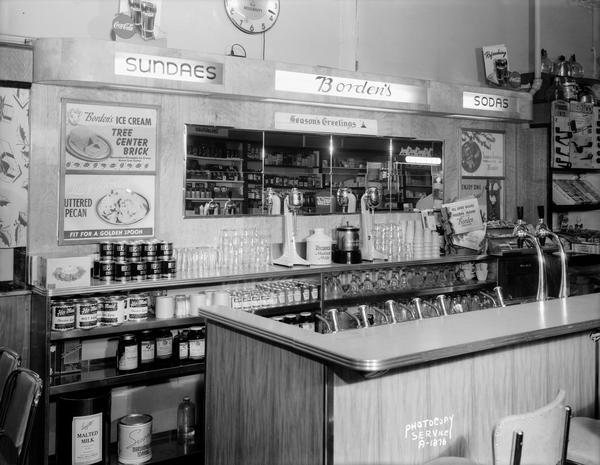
(135, 11)
(148, 15)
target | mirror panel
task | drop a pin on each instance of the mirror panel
(248, 172)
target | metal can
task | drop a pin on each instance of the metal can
(120, 250)
(138, 271)
(106, 250)
(122, 271)
(137, 307)
(165, 249)
(134, 251)
(134, 438)
(127, 353)
(150, 250)
(153, 269)
(113, 311)
(168, 267)
(86, 313)
(106, 270)
(63, 315)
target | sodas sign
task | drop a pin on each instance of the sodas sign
(123, 26)
(489, 102)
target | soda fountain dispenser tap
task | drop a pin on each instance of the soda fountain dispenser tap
(540, 228)
(292, 203)
(522, 233)
(369, 200)
(542, 232)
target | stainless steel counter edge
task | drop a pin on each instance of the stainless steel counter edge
(394, 346)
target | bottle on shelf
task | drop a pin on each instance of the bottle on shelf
(186, 420)
(547, 64)
(576, 68)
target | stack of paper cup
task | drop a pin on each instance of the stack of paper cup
(197, 301)
(435, 244)
(410, 239)
(419, 241)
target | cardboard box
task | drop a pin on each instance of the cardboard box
(63, 272)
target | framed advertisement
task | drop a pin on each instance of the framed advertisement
(482, 153)
(108, 172)
(489, 195)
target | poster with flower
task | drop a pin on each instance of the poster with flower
(14, 166)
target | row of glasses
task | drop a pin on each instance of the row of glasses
(196, 262)
(356, 282)
(243, 250)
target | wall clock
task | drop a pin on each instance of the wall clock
(252, 16)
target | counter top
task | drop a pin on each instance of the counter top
(414, 342)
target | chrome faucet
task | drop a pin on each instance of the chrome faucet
(332, 323)
(499, 296)
(362, 312)
(441, 298)
(522, 234)
(419, 303)
(354, 317)
(489, 297)
(325, 321)
(542, 232)
(406, 313)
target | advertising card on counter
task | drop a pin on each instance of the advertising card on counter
(99, 137)
(464, 215)
(99, 207)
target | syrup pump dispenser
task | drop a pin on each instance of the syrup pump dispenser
(291, 204)
(369, 200)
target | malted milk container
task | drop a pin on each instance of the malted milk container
(318, 248)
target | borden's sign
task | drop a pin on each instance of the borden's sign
(321, 84)
(173, 69)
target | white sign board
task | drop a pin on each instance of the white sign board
(334, 86)
(490, 102)
(170, 68)
(323, 123)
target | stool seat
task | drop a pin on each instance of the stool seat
(584, 441)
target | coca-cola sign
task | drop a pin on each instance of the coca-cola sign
(123, 26)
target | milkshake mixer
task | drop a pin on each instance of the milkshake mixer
(368, 202)
(291, 204)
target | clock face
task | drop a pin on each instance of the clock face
(252, 16)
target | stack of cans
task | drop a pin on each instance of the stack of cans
(134, 261)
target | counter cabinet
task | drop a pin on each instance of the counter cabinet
(50, 347)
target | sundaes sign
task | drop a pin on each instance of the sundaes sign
(171, 68)
(322, 84)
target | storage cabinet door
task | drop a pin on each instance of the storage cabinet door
(15, 322)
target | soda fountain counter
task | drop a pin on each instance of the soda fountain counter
(394, 393)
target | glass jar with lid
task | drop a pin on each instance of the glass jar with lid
(196, 342)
